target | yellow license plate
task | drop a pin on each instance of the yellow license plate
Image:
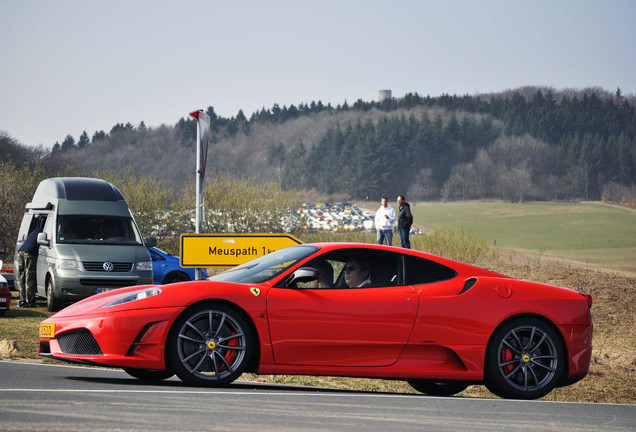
(47, 330)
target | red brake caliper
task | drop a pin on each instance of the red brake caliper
(506, 356)
(230, 354)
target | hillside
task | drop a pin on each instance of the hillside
(531, 143)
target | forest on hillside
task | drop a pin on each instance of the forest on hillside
(525, 144)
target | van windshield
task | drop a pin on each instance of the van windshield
(92, 229)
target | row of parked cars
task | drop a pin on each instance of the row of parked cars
(340, 216)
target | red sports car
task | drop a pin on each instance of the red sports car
(339, 309)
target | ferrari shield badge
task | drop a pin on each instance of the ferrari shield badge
(255, 291)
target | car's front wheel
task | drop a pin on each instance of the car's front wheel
(438, 388)
(525, 359)
(210, 345)
(175, 276)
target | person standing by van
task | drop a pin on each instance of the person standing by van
(27, 265)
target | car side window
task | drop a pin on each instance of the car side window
(155, 256)
(326, 271)
(422, 271)
(367, 268)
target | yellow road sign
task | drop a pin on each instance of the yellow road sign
(229, 250)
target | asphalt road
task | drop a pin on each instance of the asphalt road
(39, 397)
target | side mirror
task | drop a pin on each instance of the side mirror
(43, 239)
(303, 274)
(151, 241)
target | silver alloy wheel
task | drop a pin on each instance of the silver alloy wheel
(527, 358)
(211, 345)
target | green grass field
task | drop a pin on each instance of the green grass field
(598, 235)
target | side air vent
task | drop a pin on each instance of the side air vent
(468, 285)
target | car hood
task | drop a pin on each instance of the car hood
(103, 252)
(181, 295)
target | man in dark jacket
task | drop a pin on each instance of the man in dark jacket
(405, 220)
(27, 264)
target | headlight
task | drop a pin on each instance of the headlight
(66, 264)
(144, 266)
(137, 295)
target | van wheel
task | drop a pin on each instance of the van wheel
(52, 304)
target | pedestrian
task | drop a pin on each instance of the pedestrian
(405, 220)
(27, 266)
(384, 218)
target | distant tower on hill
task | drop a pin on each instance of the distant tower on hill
(384, 94)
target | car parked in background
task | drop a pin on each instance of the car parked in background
(166, 268)
(5, 295)
(9, 276)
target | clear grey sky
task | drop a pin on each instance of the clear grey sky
(68, 66)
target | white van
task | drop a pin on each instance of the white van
(89, 242)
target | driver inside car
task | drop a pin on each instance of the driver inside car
(357, 273)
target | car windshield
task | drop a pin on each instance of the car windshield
(266, 267)
(92, 229)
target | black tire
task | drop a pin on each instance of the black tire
(438, 388)
(52, 304)
(149, 375)
(525, 359)
(175, 276)
(210, 345)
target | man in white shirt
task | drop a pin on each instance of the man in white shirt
(384, 218)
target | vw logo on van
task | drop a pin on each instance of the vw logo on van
(108, 266)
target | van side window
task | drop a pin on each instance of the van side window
(38, 221)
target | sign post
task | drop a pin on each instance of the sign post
(203, 139)
(229, 250)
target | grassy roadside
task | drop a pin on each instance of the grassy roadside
(592, 234)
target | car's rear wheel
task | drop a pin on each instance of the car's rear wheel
(438, 388)
(210, 345)
(525, 359)
(149, 375)
(52, 303)
(175, 276)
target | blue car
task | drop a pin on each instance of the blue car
(166, 268)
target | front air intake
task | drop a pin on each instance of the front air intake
(79, 342)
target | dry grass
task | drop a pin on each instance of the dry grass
(612, 377)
